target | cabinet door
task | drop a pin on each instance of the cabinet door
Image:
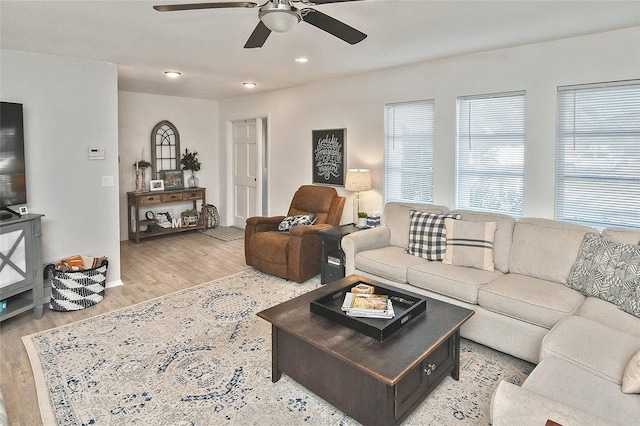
(16, 246)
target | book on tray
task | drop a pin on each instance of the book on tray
(368, 305)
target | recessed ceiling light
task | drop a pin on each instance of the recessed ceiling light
(302, 60)
(249, 85)
(173, 74)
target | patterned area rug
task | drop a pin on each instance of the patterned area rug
(202, 357)
(225, 233)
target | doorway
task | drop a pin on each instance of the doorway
(249, 170)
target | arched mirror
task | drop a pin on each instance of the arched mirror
(165, 148)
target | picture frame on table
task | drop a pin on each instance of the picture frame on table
(173, 179)
(329, 150)
(156, 185)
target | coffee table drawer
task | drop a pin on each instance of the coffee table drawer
(423, 378)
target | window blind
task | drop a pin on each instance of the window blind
(408, 153)
(598, 154)
(490, 153)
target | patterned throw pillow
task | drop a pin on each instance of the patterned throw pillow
(427, 234)
(470, 244)
(608, 270)
(301, 219)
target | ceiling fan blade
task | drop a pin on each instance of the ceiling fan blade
(195, 6)
(332, 26)
(258, 36)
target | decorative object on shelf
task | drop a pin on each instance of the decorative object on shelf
(165, 147)
(189, 217)
(156, 185)
(150, 215)
(358, 180)
(362, 219)
(190, 162)
(329, 150)
(141, 166)
(373, 219)
(173, 179)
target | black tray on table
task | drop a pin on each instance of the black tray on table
(330, 306)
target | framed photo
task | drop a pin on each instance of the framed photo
(329, 148)
(156, 185)
(23, 211)
(173, 179)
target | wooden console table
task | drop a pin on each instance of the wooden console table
(136, 200)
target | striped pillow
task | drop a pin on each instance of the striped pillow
(470, 244)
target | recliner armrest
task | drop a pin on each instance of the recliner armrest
(308, 229)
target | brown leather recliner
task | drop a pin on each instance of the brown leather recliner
(293, 255)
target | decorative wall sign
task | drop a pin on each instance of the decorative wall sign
(329, 152)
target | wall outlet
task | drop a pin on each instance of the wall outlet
(107, 180)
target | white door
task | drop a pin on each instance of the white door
(246, 194)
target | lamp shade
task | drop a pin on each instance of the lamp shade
(279, 18)
(358, 180)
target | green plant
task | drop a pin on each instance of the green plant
(142, 164)
(363, 214)
(190, 161)
(189, 213)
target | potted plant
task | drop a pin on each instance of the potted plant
(362, 219)
(190, 161)
(189, 217)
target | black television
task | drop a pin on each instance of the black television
(13, 184)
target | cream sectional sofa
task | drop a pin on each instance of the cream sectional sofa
(523, 307)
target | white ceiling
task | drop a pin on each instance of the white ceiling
(207, 45)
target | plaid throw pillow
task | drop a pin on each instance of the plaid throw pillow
(427, 234)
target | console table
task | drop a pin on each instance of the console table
(137, 200)
(21, 277)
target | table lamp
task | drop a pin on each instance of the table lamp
(357, 180)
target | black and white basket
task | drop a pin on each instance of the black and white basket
(75, 290)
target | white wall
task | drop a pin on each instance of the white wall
(197, 124)
(357, 103)
(70, 105)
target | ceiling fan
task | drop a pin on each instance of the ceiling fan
(280, 16)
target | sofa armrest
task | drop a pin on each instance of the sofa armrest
(368, 239)
(514, 405)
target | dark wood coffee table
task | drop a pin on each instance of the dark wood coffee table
(376, 383)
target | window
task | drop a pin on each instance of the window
(408, 151)
(598, 155)
(490, 161)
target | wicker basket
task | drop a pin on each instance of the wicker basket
(75, 290)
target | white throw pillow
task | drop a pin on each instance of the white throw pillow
(470, 244)
(631, 377)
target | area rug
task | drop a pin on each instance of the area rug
(201, 356)
(225, 233)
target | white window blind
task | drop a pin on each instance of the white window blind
(598, 155)
(490, 158)
(408, 153)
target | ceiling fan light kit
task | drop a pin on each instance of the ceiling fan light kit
(281, 16)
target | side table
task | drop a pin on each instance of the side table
(332, 261)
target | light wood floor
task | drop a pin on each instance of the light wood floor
(153, 268)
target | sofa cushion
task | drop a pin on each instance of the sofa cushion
(469, 244)
(594, 347)
(389, 262)
(622, 235)
(427, 234)
(454, 281)
(503, 237)
(396, 217)
(572, 385)
(533, 300)
(546, 249)
(631, 377)
(608, 314)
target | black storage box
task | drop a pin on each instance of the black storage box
(330, 306)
